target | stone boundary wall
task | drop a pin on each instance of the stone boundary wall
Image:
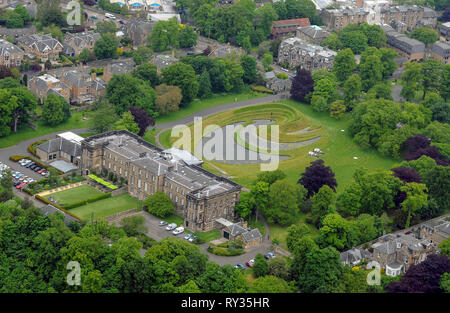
(70, 186)
(120, 215)
(119, 191)
(279, 250)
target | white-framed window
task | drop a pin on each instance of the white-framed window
(145, 186)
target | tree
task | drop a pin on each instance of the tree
(325, 88)
(423, 277)
(133, 225)
(371, 71)
(49, 12)
(159, 204)
(432, 73)
(142, 55)
(55, 109)
(124, 91)
(5, 72)
(204, 85)
(264, 17)
(24, 105)
(106, 27)
(266, 60)
(187, 37)
(147, 72)
(387, 59)
(445, 84)
(411, 80)
(344, 64)
(333, 42)
(270, 284)
(106, 47)
(261, 267)
(169, 98)
(352, 89)
(302, 85)
(416, 198)
(315, 176)
(104, 117)
(183, 76)
(142, 119)
(279, 267)
(320, 203)
(284, 200)
(355, 40)
(127, 122)
(14, 20)
(270, 177)
(164, 35)
(406, 174)
(437, 181)
(337, 109)
(370, 193)
(445, 282)
(335, 232)
(444, 247)
(248, 64)
(55, 31)
(380, 90)
(322, 270)
(85, 55)
(425, 34)
(376, 37)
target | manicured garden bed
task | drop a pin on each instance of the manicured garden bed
(103, 182)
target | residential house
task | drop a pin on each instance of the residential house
(77, 42)
(441, 52)
(444, 31)
(239, 231)
(396, 253)
(337, 19)
(42, 86)
(285, 28)
(405, 46)
(84, 88)
(66, 147)
(137, 30)
(45, 47)
(295, 52)
(10, 54)
(435, 231)
(276, 84)
(116, 69)
(408, 17)
(312, 34)
(354, 256)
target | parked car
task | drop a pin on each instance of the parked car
(36, 169)
(29, 165)
(250, 263)
(188, 236)
(44, 172)
(269, 255)
(193, 238)
(241, 266)
(178, 231)
(32, 167)
(171, 226)
(163, 223)
(21, 185)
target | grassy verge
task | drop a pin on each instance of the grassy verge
(106, 207)
(208, 235)
(279, 232)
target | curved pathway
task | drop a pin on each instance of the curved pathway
(187, 120)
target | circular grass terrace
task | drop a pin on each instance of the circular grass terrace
(300, 131)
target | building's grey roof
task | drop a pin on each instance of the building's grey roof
(395, 265)
(251, 235)
(138, 30)
(68, 50)
(441, 48)
(311, 49)
(64, 166)
(269, 75)
(236, 229)
(60, 144)
(77, 78)
(121, 68)
(162, 61)
(98, 84)
(403, 42)
(7, 48)
(41, 42)
(314, 32)
(82, 39)
(50, 209)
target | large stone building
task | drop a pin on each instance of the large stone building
(435, 231)
(42, 86)
(312, 34)
(405, 46)
(138, 31)
(408, 17)
(295, 52)
(444, 31)
(337, 19)
(198, 195)
(84, 88)
(10, 54)
(441, 52)
(116, 69)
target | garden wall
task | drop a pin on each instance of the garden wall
(70, 186)
(119, 191)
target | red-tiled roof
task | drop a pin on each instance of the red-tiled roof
(289, 25)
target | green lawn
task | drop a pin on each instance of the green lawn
(106, 207)
(173, 218)
(280, 232)
(75, 121)
(77, 194)
(150, 135)
(209, 235)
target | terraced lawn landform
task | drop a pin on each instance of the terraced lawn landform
(73, 195)
(106, 207)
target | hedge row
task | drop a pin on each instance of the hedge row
(262, 89)
(84, 202)
(56, 206)
(32, 146)
(17, 158)
(224, 251)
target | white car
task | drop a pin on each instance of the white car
(171, 226)
(178, 231)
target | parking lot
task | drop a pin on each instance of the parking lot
(21, 175)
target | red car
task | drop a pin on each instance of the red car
(21, 185)
(250, 263)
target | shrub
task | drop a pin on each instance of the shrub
(159, 204)
(262, 89)
(32, 146)
(220, 251)
(84, 202)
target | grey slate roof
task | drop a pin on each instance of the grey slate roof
(41, 42)
(77, 78)
(50, 209)
(60, 144)
(7, 48)
(251, 235)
